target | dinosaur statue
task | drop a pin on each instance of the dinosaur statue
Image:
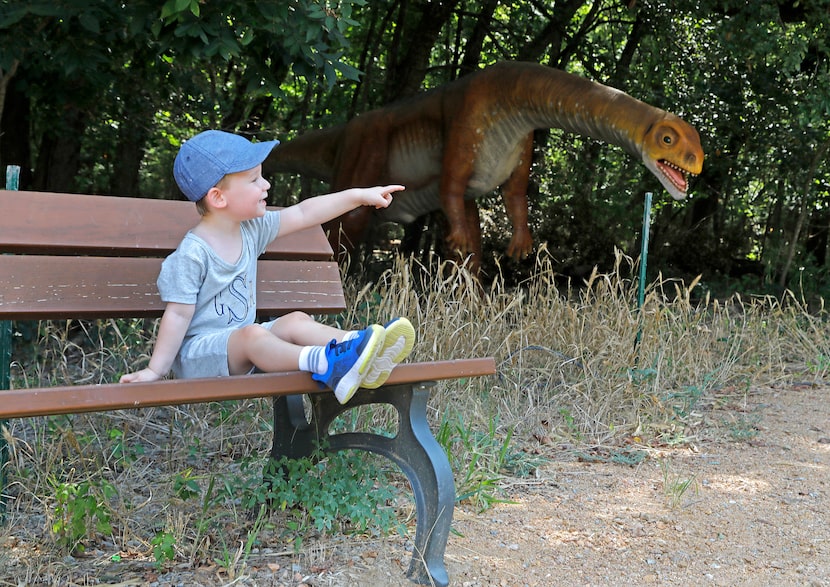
(464, 139)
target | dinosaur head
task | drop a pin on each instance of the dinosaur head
(671, 151)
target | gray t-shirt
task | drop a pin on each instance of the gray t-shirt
(224, 294)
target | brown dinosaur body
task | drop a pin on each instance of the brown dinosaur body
(462, 140)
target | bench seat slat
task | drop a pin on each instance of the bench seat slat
(50, 287)
(19, 403)
(44, 222)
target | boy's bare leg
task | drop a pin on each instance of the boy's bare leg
(277, 349)
(301, 329)
(255, 345)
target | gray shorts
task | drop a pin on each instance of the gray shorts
(206, 355)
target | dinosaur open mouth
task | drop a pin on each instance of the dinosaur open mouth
(678, 176)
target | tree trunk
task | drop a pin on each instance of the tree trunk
(367, 63)
(552, 37)
(5, 79)
(59, 154)
(472, 48)
(421, 23)
(818, 230)
(15, 140)
(128, 155)
(802, 213)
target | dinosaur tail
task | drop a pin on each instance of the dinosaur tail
(312, 154)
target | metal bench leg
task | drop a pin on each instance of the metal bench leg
(294, 436)
(416, 451)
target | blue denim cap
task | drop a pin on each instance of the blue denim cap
(209, 156)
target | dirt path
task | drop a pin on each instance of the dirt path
(745, 504)
(754, 512)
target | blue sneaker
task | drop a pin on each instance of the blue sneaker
(349, 362)
(397, 344)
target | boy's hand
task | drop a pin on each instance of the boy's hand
(385, 194)
(321, 209)
(145, 375)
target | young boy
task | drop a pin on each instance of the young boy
(209, 282)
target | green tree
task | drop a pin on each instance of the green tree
(96, 97)
(106, 76)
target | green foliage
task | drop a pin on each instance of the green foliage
(119, 85)
(234, 560)
(571, 425)
(480, 460)
(186, 486)
(675, 487)
(164, 548)
(122, 449)
(820, 365)
(82, 511)
(336, 492)
(326, 492)
(307, 35)
(744, 429)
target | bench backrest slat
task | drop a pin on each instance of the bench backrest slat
(43, 287)
(49, 223)
(68, 256)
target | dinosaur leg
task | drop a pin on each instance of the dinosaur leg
(454, 208)
(456, 170)
(473, 224)
(412, 241)
(514, 193)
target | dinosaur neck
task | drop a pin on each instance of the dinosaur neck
(560, 100)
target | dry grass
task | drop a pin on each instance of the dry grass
(570, 373)
(568, 356)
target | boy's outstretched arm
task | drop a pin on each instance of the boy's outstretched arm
(320, 209)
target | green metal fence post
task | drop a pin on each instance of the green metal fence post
(12, 183)
(641, 285)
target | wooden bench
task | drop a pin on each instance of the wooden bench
(69, 256)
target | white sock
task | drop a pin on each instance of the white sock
(313, 359)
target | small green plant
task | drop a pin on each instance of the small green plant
(234, 562)
(674, 486)
(489, 458)
(819, 365)
(206, 519)
(122, 449)
(185, 485)
(683, 402)
(325, 492)
(628, 456)
(329, 492)
(744, 429)
(82, 510)
(164, 548)
(570, 424)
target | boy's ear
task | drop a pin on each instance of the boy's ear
(215, 198)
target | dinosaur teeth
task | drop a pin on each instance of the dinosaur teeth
(678, 168)
(678, 177)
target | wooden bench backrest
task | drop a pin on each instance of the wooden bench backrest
(81, 256)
